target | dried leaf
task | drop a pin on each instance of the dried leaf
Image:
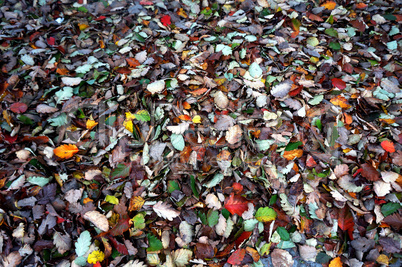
(165, 211)
(98, 219)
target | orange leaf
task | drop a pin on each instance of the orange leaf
(132, 62)
(185, 117)
(340, 101)
(237, 257)
(292, 154)
(336, 262)
(361, 5)
(330, 5)
(65, 151)
(91, 124)
(388, 146)
(136, 203)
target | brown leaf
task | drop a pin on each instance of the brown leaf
(394, 220)
(369, 172)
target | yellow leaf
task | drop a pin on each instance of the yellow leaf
(182, 13)
(82, 26)
(383, 259)
(197, 119)
(330, 5)
(129, 125)
(336, 262)
(65, 151)
(96, 256)
(136, 203)
(340, 101)
(130, 116)
(91, 124)
(291, 155)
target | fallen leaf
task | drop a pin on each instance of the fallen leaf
(336, 262)
(237, 257)
(292, 154)
(338, 83)
(18, 107)
(166, 20)
(234, 134)
(98, 219)
(165, 211)
(330, 5)
(236, 204)
(65, 151)
(388, 146)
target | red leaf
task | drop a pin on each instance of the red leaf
(100, 18)
(122, 226)
(51, 41)
(244, 236)
(166, 20)
(388, 146)
(97, 264)
(338, 83)
(18, 107)
(236, 204)
(345, 221)
(10, 139)
(237, 257)
(121, 248)
(237, 187)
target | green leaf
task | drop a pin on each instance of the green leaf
(283, 233)
(142, 115)
(213, 218)
(83, 243)
(64, 94)
(226, 50)
(59, 120)
(335, 45)
(112, 199)
(193, 186)
(154, 243)
(392, 45)
(322, 258)
(255, 70)
(82, 9)
(293, 146)
(331, 32)
(121, 171)
(26, 120)
(264, 144)
(81, 261)
(389, 208)
(177, 141)
(172, 186)
(37, 180)
(218, 177)
(316, 100)
(313, 41)
(249, 225)
(265, 214)
(139, 221)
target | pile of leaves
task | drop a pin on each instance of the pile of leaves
(196, 132)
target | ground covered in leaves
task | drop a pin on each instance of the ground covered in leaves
(196, 132)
